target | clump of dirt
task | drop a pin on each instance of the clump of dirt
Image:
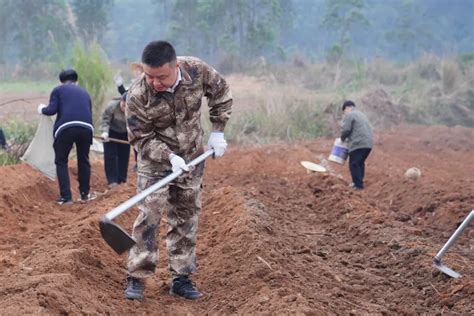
(273, 239)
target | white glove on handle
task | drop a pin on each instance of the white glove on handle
(218, 143)
(178, 163)
(41, 106)
(118, 80)
(105, 136)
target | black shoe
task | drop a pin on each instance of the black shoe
(62, 201)
(135, 288)
(182, 286)
(86, 197)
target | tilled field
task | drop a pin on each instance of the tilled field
(272, 238)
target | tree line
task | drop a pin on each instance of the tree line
(45, 30)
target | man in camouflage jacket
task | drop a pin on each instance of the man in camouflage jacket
(164, 124)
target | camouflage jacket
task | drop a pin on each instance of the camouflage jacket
(113, 118)
(161, 123)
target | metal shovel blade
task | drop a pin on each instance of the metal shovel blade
(115, 236)
(445, 269)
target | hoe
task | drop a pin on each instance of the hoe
(437, 261)
(116, 236)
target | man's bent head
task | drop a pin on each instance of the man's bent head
(348, 106)
(160, 65)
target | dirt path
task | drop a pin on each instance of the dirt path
(273, 239)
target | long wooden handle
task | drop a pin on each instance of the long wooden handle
(115, 140)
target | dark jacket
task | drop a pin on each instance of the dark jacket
(73, 107)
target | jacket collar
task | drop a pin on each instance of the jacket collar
(185, 77)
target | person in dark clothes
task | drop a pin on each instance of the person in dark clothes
(116, 155)
(3, 141)
(122, 90)
(73, 125)
(357, 130)
(120, 86)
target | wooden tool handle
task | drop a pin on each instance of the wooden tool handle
(115, 140)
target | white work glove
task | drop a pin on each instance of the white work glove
(41, 106)
(177, 163)
(118, 80)
(218, 143)
(105, 136)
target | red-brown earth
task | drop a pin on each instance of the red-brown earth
(272, 239)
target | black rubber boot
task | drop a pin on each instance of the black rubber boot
(135, 288)
(182, 286)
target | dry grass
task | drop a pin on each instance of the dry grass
(300, 101)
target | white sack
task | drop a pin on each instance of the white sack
(40, 153)
(97, 146)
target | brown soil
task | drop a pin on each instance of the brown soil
(273, 238)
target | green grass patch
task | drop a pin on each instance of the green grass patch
(27, 86)
(7, 159)
(18, 134)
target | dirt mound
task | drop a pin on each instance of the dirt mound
(273, 239)
(382, 112)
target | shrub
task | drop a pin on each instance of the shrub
(95, 74)
(450, 76)
(19, 132)
(7, 159)
(427, 67)
(466, 60)
(19, 135)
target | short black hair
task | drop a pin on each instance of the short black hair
(347, 103)
(158, 53)
(68, 75)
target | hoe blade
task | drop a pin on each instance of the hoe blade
(445, 269)
(115, 236)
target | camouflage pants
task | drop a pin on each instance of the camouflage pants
(182, 200)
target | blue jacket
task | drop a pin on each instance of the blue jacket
(73, 107)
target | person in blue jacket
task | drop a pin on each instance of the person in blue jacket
(73, 107)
